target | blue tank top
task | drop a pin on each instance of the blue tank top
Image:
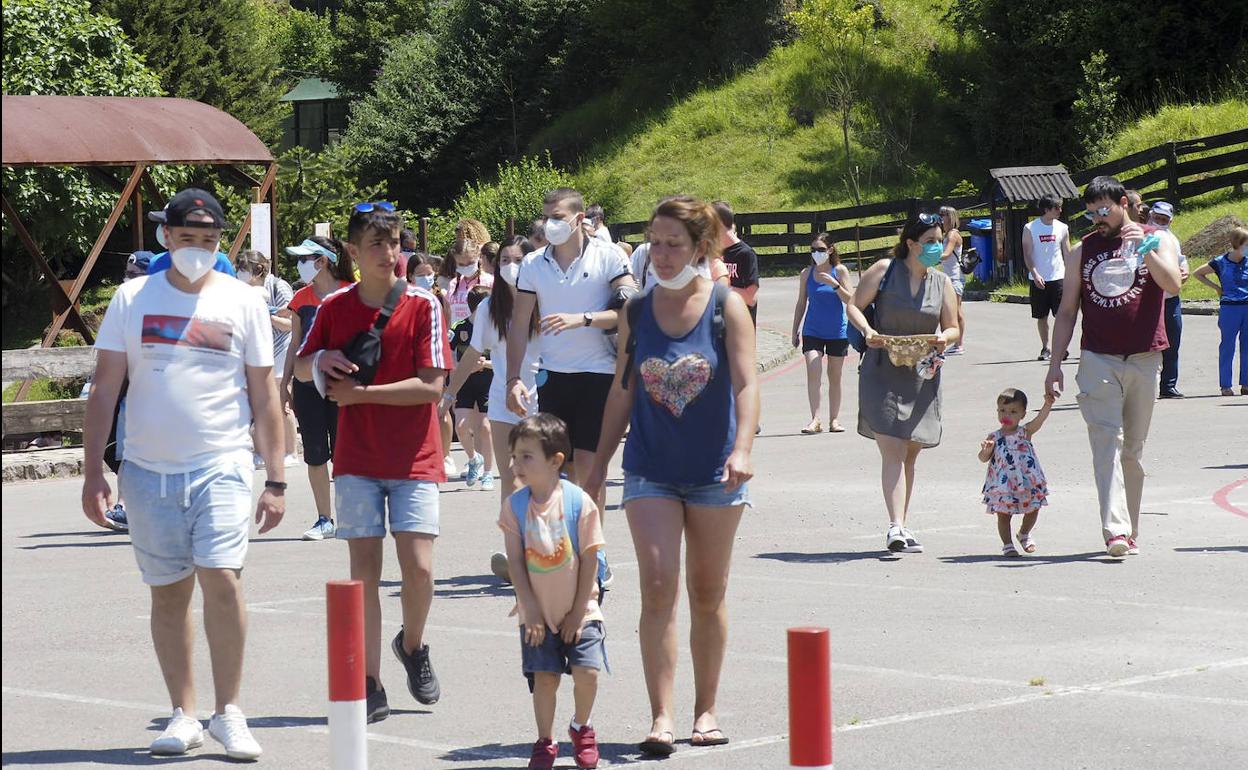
(684, 417)
(825, 312)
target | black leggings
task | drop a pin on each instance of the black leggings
(318, 422)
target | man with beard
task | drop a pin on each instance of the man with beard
(1121, 295)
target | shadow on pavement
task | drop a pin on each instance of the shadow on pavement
(462, 587)
(126, 757)
(84, 533)
(794, 557)
(277, 540)
(1027, 560)
(1215, 549)
(1231, 467)
(101, 544)
(617, 753)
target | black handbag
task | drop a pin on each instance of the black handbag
(969, 260)
(364, 350)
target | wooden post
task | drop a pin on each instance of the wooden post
(511, 227)
(1172, 173)
(273, 218)
(790, 229)
(136, 232)
(422, 234)
(858, 246)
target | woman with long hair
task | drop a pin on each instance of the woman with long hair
(899, 403)
(687, 384)
(951, 264)
(324, 267)
(489, 336)
(820, 327)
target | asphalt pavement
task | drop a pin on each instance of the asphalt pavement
(954, 658)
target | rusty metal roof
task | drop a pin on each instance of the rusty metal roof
(118, 130)
(1028, 183)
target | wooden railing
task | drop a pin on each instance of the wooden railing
(65, 415)
(1162, 172)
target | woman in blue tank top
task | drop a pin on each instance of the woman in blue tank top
(823, 291)
(690, 386)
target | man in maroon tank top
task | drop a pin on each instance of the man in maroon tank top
(1121, 296)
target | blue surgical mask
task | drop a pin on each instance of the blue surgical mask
(931, 254)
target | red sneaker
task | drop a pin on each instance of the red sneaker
(545, 752)
(584, 747)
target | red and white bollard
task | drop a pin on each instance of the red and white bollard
(348, 741)
(810, 699)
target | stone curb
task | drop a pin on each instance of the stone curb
(773, 348)
(1190, 307)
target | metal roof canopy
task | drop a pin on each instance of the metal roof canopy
(129, 132)
(122, 131)
(1025, 184)
(311, 90)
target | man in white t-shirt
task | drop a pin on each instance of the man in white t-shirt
(1046, 244)
(197, 346)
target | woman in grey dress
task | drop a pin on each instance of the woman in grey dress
(896, 406)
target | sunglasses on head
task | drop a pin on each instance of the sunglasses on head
(929, 219)
(364, 208)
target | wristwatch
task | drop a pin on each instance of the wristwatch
(589, 318)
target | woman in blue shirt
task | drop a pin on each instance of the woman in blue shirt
(688, 385)
(1232, 271)
(820, 316)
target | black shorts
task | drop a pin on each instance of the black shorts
(475, 392)
(318, 422)
(838, 348)
(579, 399)
(1045, 301)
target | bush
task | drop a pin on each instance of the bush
(517, 191)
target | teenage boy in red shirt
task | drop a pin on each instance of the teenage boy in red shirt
(388, 456)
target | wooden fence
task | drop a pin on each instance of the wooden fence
(1162, 172)
(32, 417)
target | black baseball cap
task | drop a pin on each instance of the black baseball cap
(189, 201)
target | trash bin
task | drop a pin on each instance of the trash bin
(981, 239)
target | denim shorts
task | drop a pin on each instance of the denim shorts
(180, 521)
(554, 656)
(709, 495)
(362, 504)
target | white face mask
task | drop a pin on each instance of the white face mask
(423, 281)
(193, 263)
(819, 257)
(678, 281)
(558, 231)
(307, 271)
(510, 272)
(245, 276)
(467, 271)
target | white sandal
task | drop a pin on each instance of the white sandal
(1009, 550)
(1027, 543)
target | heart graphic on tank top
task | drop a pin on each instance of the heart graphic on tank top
(678, 384)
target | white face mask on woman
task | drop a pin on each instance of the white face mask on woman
(819, 257)
(510, 272)
(193, 263)
(423, 281)
(678, 281)
(467, 271)
(307, 270)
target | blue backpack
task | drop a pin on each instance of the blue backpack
(572, 517)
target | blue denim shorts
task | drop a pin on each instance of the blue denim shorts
(709, 495)
(553, 656)
(363, 503)
(180, 521)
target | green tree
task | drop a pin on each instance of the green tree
(304, 41)
(59, 47)
(364, 30)
(1095, 111)
(214, 53)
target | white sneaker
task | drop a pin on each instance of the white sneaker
(292, 461)
(487, 481)
(181, 734)
(448, 465)
(230, 730)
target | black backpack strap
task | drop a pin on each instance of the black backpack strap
(719, 298)
(392, 299)
(633, 313)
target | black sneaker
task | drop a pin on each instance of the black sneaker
(1045, 355)
(376, 706)
(422, 683)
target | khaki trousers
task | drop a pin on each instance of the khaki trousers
(1116, 396)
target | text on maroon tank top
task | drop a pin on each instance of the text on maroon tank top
(1121, 303)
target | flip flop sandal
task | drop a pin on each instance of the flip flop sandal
(1009, 550)
(658, 747)
(836, 428)
(700, 737)
(1027, 543)
(812, 431)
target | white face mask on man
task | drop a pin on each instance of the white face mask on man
(193, 263)
(558, 231)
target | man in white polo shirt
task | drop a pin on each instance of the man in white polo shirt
(573, 281)
(1046, 244)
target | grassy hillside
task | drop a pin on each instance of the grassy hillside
(740, 140)
(1177, 122)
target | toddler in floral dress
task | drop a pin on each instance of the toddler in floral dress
(1015, 485)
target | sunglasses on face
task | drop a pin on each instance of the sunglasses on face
(1103, 211)
(364, 208)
